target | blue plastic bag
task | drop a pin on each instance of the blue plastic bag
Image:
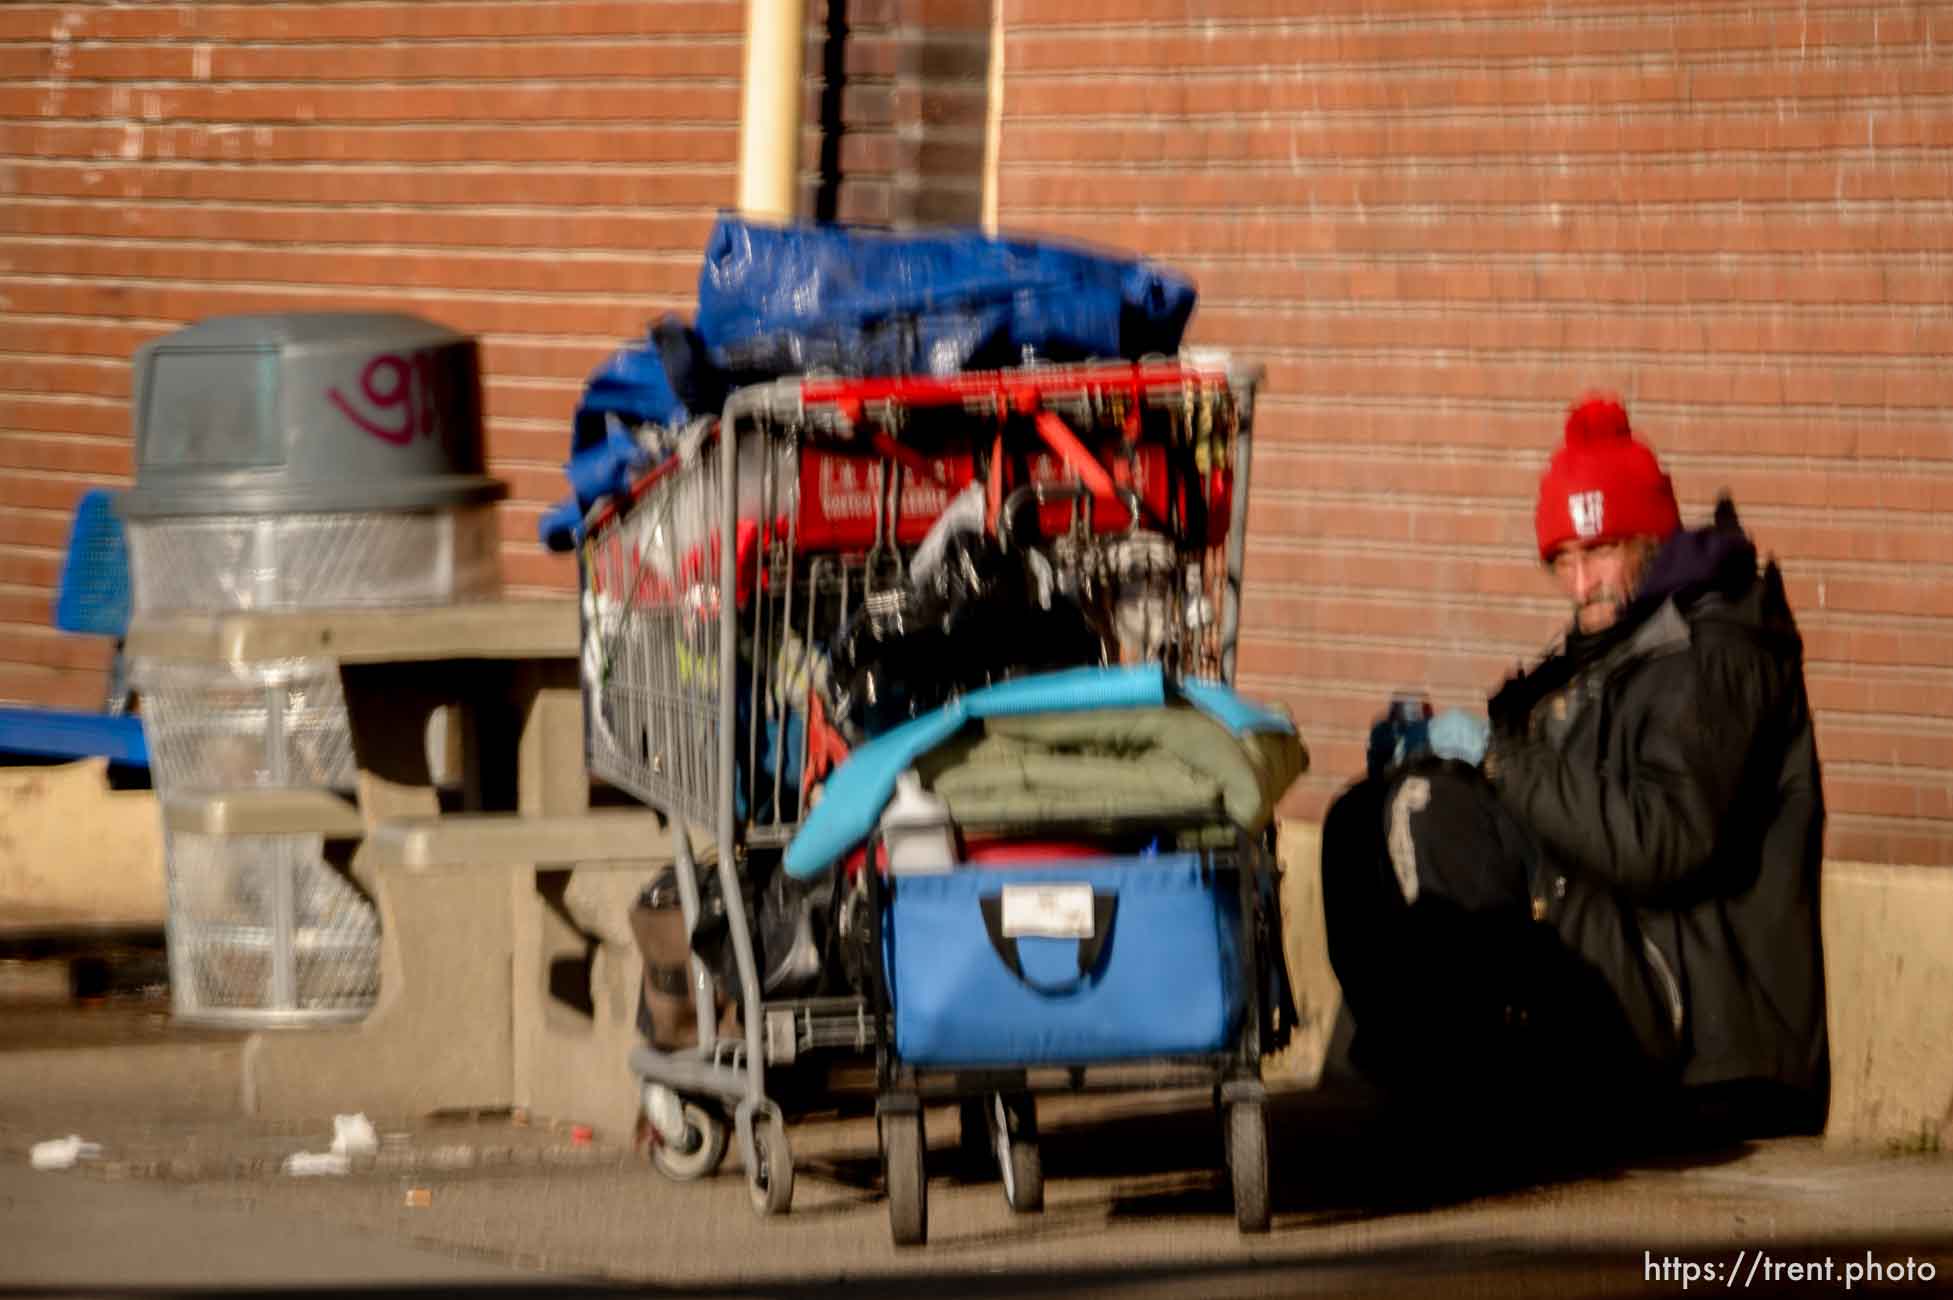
(776, 300)
(664, 380)
(597, 468)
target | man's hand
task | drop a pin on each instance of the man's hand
(1459, 735)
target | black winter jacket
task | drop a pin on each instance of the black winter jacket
(1668, 769)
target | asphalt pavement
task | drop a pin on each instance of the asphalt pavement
(187, 1197)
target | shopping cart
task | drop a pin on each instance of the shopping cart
(708, 594)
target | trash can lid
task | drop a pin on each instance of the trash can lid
(308, 411)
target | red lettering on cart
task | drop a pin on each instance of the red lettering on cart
(844, 490)
(403, 394)
(851, 491)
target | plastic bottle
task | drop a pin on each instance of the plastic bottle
(916, 828)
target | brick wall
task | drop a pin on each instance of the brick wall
(895, 113)
(540, 174)
(1439, 221)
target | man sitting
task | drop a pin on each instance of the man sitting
(1614, 884)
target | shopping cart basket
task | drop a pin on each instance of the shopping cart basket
(710, 589)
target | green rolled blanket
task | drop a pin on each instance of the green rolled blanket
(1171, 764)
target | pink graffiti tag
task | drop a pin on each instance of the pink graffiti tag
(402, 389)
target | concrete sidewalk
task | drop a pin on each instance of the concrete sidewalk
(70, 1233)
(187, 1194)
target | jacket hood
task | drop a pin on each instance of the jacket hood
(1695, 561)
(1708, 572)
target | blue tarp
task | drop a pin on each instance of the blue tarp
(661, 381)
(782, 300)
(776, 300)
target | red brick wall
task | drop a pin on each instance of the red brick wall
(1438, 221)
(895, 113)
(540, 174)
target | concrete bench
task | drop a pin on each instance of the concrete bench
(77, 855)
(467, 938)
(465, 1017)
(264, 810)
(508, 669)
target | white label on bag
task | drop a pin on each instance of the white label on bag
(1047, 911)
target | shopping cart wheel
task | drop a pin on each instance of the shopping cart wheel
(770, 1181)
(693, 1154)
(907, 1178)
(1247, 1164)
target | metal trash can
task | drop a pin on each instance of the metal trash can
(230, 726)
(309, 460)
(264, 930)
(293, 461)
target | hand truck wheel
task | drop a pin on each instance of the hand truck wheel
(770, 1181)
(1024, 1178)
(1247, 1163)
(906, 1176)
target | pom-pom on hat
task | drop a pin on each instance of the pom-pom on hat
(1602, 485)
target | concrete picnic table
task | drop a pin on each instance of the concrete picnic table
(469, 884)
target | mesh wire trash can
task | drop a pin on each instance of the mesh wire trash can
(313, 560)
(224, 726)
(293, 461)
(262, 929)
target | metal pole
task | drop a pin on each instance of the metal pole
(703, 1003)
(1243, 381)
(742, 941)
(284, 888)
(769, 108)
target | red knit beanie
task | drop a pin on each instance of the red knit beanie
(1602, 485)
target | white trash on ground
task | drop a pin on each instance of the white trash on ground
(62, 1153)
(353, 1135)
(312, 1164)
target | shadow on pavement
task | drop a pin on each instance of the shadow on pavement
(1335, 1157)
(1338, 1157)
(1488, 1267)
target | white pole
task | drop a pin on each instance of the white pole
(769, 108)
(993, 119)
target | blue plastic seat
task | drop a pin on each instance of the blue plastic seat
(70, 734)
(92, 600)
